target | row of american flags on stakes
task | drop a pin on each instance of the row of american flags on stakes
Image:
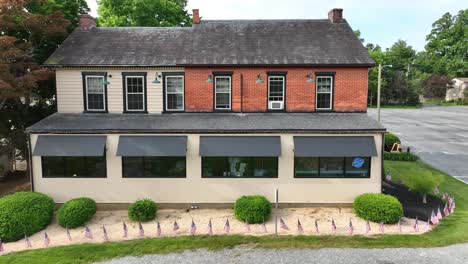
(434, 219)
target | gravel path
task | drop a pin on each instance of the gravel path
(452, 254)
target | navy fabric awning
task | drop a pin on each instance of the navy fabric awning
(138, 146)
(70, 146)
(335, 146)
(238, 146)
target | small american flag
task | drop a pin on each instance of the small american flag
(158, 229)
(399, 225)
(453, 205)
(416, 225)
(439, 214)
(69, 235)
(264, 227)
(428, 226)
(247, 226)
(333, 226)
(46, 240)
(445, 196)
(105, 237)
(368, 228)
(350, 228)
(193, 228)
(227, 227)
(176, 226)
(210, 227)
(88, 233)
(1, 246)
(124, 229)
(388, 177)
(299, 227)
(436, 190)
(434, 219)
(446, 210)
(382, 227)
(316, 227)
(141, 231)
(283, 224)
(27, 241)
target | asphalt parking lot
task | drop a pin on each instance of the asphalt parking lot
(438, 134)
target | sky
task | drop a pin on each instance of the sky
(380, 22)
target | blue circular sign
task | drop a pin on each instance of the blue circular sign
(358, 162)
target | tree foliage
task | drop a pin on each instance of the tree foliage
(143, 13)
(436, 86)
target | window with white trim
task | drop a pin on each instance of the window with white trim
(324, 94)
(276, 92)
(135, 93)
(174, 93)
(222, 92)
(95, 93)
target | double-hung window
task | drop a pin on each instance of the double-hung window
(95, 86)
(222, 87)
(324, 92)
(276, 86)
(174, 91)
(135, 92)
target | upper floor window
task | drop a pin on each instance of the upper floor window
(276, 85)
(222, 87)
(324, 92)
(174, 92)
(134, 92)
(95, 86)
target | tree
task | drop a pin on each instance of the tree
(436, 86)
(143, 13)
(423, 183)
(447, 45)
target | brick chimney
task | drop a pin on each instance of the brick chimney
(336, 15)
(195, 16)
(87, 22)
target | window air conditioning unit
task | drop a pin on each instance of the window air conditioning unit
(276, 105)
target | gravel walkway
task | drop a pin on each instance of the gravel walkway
(452, 254)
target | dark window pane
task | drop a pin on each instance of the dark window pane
(357, 167)
(132, 167)
(240, 167)
(276, 88)
(324, 100)
(331, 167)
(153, 167)
(95, 102)
(222, 101)
(135, 101)
(306, 166)
(175, 102)
(92, 167)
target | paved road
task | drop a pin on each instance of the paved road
(448, 255)
(438, 134)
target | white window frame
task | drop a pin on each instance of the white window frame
(103, 93)
(283, 92)
(230, 92)
(142, 93)
(317, 92)
(166, 93)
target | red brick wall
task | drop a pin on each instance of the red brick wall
(350, 90)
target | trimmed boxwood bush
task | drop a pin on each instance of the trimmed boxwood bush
(24, 213)
(253, 209)
(142, 210)
(378, 208)
(391, 139)
(400, 156)
(76, 212)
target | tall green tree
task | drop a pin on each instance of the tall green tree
(447, 45)
(143, 13)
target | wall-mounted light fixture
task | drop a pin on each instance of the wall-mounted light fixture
(105, 81)
(310, 77)
(259, 79)
(210, 78)
(157, 78)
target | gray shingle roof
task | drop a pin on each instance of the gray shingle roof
(229, 42)
(206, 123)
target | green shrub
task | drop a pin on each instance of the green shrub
(142, 210)
(378, 208)
(423, 183)
(400, 156)
(76, 212)
(391, 139)
(253, 209)
(24, 213)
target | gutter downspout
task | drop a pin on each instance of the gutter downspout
(30, 164)
(241, 92)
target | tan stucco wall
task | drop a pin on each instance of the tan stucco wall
(194, 189)
(70, 88)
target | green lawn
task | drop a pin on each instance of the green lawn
(453, 229)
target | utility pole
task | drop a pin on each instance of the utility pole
(378, 91)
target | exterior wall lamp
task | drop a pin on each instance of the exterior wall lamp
(210, 78)
(310, 77)
(259, 79)
(157, 78)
